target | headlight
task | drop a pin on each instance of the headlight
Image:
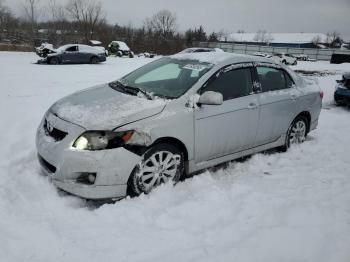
(99, 140)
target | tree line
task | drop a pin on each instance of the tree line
(79, 21)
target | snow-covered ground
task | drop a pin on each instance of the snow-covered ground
(292, 206)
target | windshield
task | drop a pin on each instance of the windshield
(167, 77)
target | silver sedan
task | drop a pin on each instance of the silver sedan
(170, 118)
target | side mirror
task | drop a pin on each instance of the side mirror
(211, 98)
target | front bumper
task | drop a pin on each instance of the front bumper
(65, 164)
(102, 58)
(342, 95)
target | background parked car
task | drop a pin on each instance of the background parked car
(76, 54)
(200, 50)
(302, 57)
(342, 91)
(147, 55)
(119, 48)
(286, 59)
(261, 54)
(98, 45)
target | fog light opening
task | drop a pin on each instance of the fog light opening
(92, 178)
(86, 178)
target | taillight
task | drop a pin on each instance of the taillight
(321, 94)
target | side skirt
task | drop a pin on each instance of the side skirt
(194, 167)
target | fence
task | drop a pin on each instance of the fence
(313, 53)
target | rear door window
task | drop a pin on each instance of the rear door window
(271, 79)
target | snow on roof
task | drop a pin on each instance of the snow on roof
(288, 38)
(217, 57)
(95, 42)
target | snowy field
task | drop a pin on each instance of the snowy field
(292, 206)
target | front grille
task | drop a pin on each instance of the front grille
(53, 132)
(50, 168)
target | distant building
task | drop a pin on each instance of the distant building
(293, 40)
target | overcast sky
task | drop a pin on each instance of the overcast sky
(319, 16)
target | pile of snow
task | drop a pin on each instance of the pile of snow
(290, 206)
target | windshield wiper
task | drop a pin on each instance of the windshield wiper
(139, 90)
(116, 85)
(130, 89)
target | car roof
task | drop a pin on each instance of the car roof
(220, 57)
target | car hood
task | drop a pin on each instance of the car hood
(103, 108)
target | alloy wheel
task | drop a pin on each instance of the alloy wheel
(160, 168)
(298, 132)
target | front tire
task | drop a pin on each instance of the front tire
(162, 163)
(94, 60)
(53, 61)
(296, 133)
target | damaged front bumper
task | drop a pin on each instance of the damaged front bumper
(69, 167)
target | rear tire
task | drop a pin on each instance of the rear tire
(161, 163)
(296, 133)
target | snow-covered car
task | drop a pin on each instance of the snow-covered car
(342, 90)
(302, 57)
(200, 50)
(147, 55)
(261, 54)
(119, 48)
(75, 54)
(45, 49)
(170, 118)
(286, 59)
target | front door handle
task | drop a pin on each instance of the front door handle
(252, 106)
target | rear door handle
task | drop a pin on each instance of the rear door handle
(252, 106)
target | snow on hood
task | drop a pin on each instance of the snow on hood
(103, 108)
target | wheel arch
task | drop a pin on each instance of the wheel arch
(92, 57)
(174, 141)
(54, 57)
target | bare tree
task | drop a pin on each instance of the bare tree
(32, 10)
(332, 37)
(56, 10)
(263, 37)
(88, 14)
(317, 40)
(163, 23)
(4, 13)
